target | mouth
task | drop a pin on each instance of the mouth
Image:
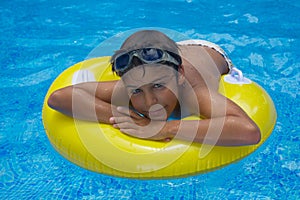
(158, 113)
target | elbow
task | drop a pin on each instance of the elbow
(54, 100)
(253, 135)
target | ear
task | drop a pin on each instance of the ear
(181, 77)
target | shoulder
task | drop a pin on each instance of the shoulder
(200, 76)
(199, 56)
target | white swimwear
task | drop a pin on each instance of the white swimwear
(211, 45)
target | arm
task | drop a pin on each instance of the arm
(88, 101)
(224, 123)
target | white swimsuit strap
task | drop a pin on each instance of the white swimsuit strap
(210, 45)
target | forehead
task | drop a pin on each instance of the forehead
(146, 74)
(149, 38)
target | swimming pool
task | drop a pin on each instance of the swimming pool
(39, 39)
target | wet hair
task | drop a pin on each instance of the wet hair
(149, 39)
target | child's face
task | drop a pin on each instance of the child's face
(153, 90)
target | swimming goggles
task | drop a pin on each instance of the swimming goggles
(123, 62)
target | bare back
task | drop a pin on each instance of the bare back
(203, 66)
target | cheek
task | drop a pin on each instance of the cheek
(169, 98)
(137, 102)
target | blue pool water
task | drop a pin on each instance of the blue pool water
(41, 38)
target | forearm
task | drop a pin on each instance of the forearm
(80, 104)
(223, 131)
(92, 109)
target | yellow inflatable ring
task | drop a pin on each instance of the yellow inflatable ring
(103, 149)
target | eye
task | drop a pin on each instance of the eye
(136, 91)
(158, 85)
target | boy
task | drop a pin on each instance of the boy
(159, 80)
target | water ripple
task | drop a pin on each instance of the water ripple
(29, 80)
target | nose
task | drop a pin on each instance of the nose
(150, 98)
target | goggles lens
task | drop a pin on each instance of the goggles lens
(122, 61)
(151, 55)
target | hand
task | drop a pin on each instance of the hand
(138, 126)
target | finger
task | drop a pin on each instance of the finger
(112, 120)
(138, 134)
(126, 125)
(122, 119)
(129, 112)
(117, 120)
(165, 140)
(123, 110)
